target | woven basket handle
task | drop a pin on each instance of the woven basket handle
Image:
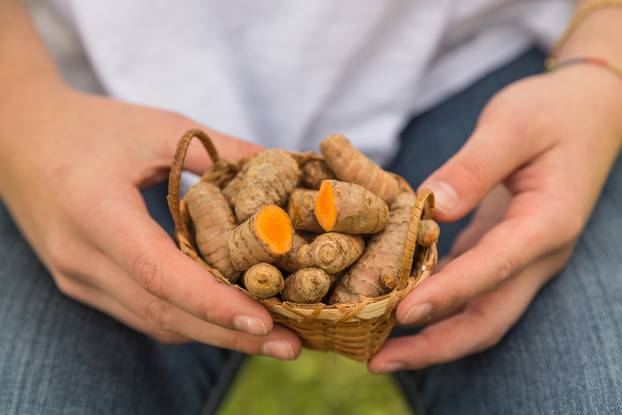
(174, 179)
(425, 201)
(424, 209)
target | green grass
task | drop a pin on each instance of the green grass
(317, 383)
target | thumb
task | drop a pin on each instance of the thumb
(488, 157)
(229, 148)
(166, 130)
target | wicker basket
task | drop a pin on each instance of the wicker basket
(354, 330)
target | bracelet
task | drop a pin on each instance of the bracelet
(582, 12)
(552, 64)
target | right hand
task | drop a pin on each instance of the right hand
(72, 167)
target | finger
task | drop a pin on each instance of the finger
(162, 129)
(481, 325)
(95, 298)
(229, 148)
(280, 343)
(492, 152)
(488, 214)
(169, 324)
(144, 251)
(168, 318)
(494, 205)
(436, 316)
(503, 251)
(174, 126)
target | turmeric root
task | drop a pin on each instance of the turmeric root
(387, 259)
(303, 157)
(264, 237)
(269, 178)
(233, 188)
(221, 173)
(350, 165)
(349, 208)
(314, 172)
(264, 280)
(300, 209)
(331, 251)
(290, 262)
(307, 285)
(428, 232)
(213, 222)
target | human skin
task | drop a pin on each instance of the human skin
(545, 144)
(72, 166)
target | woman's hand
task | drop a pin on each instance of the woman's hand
(547, 143)
(72, 166)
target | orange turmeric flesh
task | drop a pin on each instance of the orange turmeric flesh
(274, 228)
(325, 209)
(349, 208)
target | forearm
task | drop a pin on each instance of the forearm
(596, 35)
(23, 57)
(31, 88)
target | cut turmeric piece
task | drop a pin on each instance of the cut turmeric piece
(264, 237)
(300, 209)
(325, 209)
(350, 165)
(349, 208)
(275, 229)
(268, 178)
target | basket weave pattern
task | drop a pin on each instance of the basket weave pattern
(355, 330)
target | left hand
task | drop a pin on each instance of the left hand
(550, 140)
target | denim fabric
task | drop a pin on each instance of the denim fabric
(565, 355)
(60, 357)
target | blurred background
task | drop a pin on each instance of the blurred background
(317, 383)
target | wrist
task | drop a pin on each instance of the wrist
(20, 91)
(598, 93)
(597, 35)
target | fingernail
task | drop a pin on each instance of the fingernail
(417, 313)
(445, 196)
(279, 349)
(250, 325)
(389, 367)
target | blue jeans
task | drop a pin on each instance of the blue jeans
(564, 355)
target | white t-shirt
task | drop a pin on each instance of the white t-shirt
(287, 72)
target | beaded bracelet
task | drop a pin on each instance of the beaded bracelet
(552, 64)
(584, 11)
